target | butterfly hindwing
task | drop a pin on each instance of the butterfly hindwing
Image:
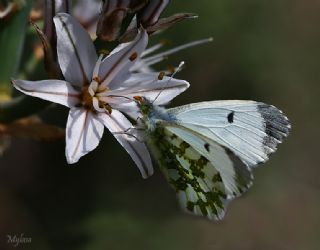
(236, 176)
(199, 184)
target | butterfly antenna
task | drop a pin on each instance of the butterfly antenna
(169, 80)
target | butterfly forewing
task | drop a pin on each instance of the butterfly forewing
(251, 130)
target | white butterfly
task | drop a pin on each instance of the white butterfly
(207, 150)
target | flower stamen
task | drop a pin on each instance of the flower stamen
(96, 79)
(161, 75)
(87, 97)
(108, 108)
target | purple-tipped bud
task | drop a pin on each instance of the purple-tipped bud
(53, 7)
(150, 15)
(112, 16)
(114, 13)
(48, 36)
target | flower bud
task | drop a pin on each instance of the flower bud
(150, 15)
(48, 36)
(51, 8)
(113, 17)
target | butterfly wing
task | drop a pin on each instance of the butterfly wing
(251, 130)
(202, 185)
(208, 152)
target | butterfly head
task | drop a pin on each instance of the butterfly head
(144, 104)
(152, 114)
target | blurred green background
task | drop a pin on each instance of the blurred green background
(262, 50)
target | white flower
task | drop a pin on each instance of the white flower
(95, 89)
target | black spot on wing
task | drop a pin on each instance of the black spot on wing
(277, 125)
(231, 117)
(207, 147)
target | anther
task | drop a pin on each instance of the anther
(161, 75)
(133, 57)
(96, 79)
(108, 108)
(104, 52)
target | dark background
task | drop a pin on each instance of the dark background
(262, 50)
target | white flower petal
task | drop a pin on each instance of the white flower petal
(133, 79)
(95, 103)
(51, 90)
(149, 86)
(131, 109)
(152, 49)
(144, 63)
(76, 53)
(97, 67)
(159, 57)
(119, 125)
(116, 66)
(83, 133)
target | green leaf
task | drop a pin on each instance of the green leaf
(12, 36)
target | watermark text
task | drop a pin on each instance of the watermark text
(16, 240)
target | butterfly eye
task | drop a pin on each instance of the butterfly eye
(138, 99)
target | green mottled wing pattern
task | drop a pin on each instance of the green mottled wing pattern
(197, 181)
